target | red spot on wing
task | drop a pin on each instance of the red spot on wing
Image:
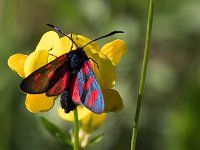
(62, 57)
(85, 69)
(50, 74)
(60, 86)
(93, 97)
(87, 85)
(75, 92)
(48, 66)
(89, 65)
(37, 77)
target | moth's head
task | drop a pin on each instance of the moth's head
(79, 49)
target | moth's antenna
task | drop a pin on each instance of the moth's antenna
(58, 30)
(72, 42)
(109, 34)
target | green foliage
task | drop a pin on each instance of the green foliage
(55, 131)
(96, 139)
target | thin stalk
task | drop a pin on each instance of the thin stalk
(143, 73)
(76, 130)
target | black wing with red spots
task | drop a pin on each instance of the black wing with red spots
(48, 78)
(86, 89)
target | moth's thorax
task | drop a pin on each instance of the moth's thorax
(77, 59)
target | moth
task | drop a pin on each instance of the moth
(70, 75)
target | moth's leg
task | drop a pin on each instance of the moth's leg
(94, 62)
(52, 54)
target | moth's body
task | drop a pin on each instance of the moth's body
(77, 58)
(71, 76)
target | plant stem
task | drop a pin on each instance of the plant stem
(76, 130)
(143, 73)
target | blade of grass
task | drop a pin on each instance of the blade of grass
(143, 74)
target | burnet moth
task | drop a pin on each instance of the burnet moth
(71, 76)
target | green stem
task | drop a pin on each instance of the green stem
(76, 130)
(143, 73)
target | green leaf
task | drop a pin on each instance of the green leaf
(55, 131)
(96, 139)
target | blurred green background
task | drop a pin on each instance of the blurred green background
(170, 108)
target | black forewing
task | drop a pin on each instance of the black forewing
(41, 80)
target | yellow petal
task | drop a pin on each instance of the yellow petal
(92, 121)
(16, 63)
(47, 41)
(113, 101)
(82, 112)
(81, 41)
(114, 50)
(35, 60)
(107, 71)
(39, 102)
(62, 46)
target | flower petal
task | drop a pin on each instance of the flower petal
(39, 102)
(81, 41)
(62, 46)
(113, 101)
(35, 60)
(47, 41)
(92, 121)
(114, 50)
(82, 112)
(16, 63)
(107, 71)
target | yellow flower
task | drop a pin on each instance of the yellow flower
(50, 44)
